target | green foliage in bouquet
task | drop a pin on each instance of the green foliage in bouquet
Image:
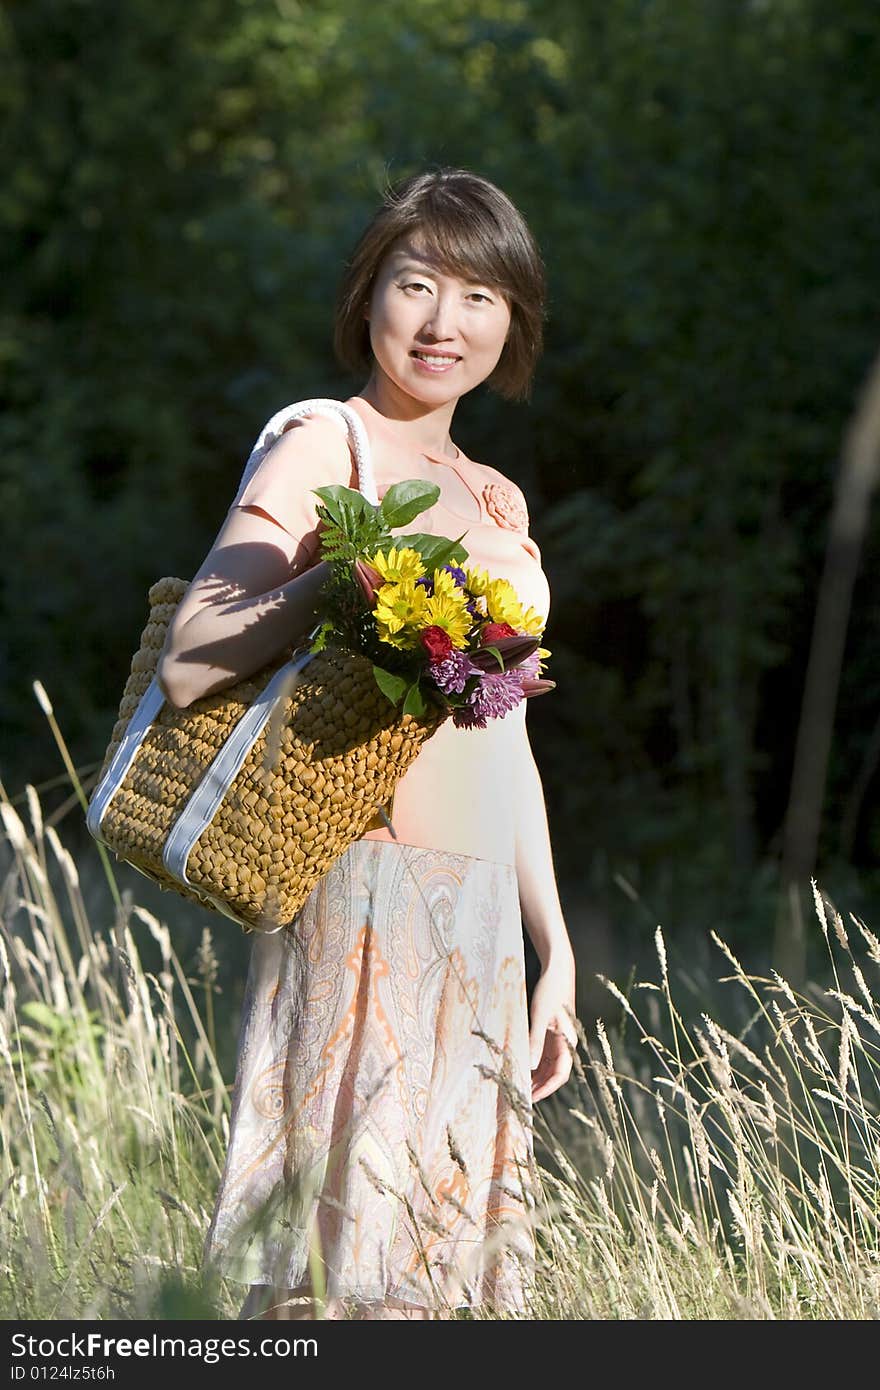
(354, 528)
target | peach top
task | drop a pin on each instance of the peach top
(459, 794)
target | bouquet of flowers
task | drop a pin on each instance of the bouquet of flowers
(435, 630)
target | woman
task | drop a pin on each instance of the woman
(380, 1153)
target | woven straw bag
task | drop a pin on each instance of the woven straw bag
(244, 800)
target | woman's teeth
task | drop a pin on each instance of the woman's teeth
(433, 359)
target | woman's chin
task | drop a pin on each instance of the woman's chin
(434, 388)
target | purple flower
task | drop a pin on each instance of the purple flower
(466, 717)
(529, 666)
(458, 575)
(530, 682)
(491, 699)
(452, 672)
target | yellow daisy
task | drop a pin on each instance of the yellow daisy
(477, 580)
(399, 612)
(444, 583)
(397, 565)
(533, 623)
(444, 610)
(503, 604)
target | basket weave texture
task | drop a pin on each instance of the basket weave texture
(338, 748)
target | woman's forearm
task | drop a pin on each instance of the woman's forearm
(223, 642)
(538, 891)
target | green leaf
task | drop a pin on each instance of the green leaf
(321, 636)
(335, 493)
(357, 513)
(403, 501)
(436, 551)
(496, 653)
(415, 700)
(392, 686)
(346, 506)
(328, 497)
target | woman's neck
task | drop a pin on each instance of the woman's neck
(424, 426)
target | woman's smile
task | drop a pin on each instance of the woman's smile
(431, 361)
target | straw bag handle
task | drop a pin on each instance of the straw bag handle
(343, 414)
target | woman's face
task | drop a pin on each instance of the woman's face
(435, 336)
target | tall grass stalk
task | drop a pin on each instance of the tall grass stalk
(725, 1172)
(691, 1168)
(111, 1126)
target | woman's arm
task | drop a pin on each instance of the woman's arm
(552, 1035)
(538, 891)
(240, 610)
(258, 588)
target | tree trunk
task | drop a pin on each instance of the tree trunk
(856, 480)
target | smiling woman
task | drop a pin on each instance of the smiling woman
(454, 225)
(428, 324)
(380, 1137)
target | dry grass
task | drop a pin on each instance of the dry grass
(690, 1169)
(726, 1172)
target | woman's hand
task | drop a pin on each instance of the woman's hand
(552, 1035)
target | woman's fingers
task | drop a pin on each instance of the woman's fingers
(554, 1067)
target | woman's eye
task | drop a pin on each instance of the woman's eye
(415, 285)
(478, 294)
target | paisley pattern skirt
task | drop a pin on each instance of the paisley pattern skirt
(381, 1137)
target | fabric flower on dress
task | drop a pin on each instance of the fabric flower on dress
(505, 505)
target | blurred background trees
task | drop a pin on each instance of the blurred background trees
(181, 186)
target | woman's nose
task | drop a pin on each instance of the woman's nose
(439, 322)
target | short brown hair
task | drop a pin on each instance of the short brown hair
(471, 229)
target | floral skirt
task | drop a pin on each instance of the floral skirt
(381, 1137)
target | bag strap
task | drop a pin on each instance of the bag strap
(343, 414)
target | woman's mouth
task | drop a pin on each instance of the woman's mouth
(434, 361)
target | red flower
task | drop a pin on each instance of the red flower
(436, 642)
(492, 631)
